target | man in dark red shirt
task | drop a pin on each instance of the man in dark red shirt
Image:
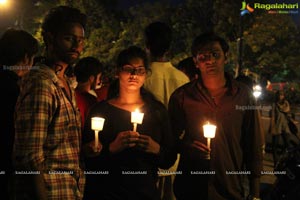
(218, 172)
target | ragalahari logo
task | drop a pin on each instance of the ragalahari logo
(246, 9)
(271, 8)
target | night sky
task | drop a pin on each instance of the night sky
(129, 3)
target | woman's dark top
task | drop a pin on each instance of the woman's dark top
(132, 173)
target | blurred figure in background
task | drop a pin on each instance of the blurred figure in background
(245, 78)
(279, 124)
(162, 81)
(164, 77)
(102, 89)
(17, 51)
(88, 73)
(188, 67)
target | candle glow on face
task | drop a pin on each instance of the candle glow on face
(209, 130)
(97, 123)
(137, 117)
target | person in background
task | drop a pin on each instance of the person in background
(188, 67)
(17, 51)
(103, 88)
(164, 77)
(279, 124)
(245, 78)
(162, 82)
(131, 158)
(47, 120)
(218, 99)
(88, 73)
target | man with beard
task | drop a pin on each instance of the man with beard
(88, 73)
(47, 127)
(232, 164)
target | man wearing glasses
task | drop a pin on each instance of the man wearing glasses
(235, 156)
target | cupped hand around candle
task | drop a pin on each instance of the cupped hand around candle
(89, 149)
(147, 144)
(125, 139)
(202, 148)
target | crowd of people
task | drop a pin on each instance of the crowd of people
(50, 150)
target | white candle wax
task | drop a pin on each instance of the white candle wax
(97, 123)
(134, 127)
(96, 140)
(137, 117)
(209, 130)
(208, 143)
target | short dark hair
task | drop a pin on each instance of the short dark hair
(188, 66)
(130, 53)
(15, 45)
(57, 18)
(277, 95)
(207, 38)
(158, 38)
(86, 67)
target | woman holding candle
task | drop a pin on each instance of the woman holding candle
(131, 158)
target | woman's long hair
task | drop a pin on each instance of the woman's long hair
(277, 96)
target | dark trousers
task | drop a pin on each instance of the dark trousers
(276, 146)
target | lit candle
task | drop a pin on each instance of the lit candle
(136, 118)
(209, 132)
(97, 125)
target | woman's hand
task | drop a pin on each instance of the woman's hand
(147, 144)
(125, 139)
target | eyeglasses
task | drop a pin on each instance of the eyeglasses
(201, 57)
(134, 70)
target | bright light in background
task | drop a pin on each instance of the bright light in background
(257, 91)
(3, 2)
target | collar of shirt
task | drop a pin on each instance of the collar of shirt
(231, 84)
